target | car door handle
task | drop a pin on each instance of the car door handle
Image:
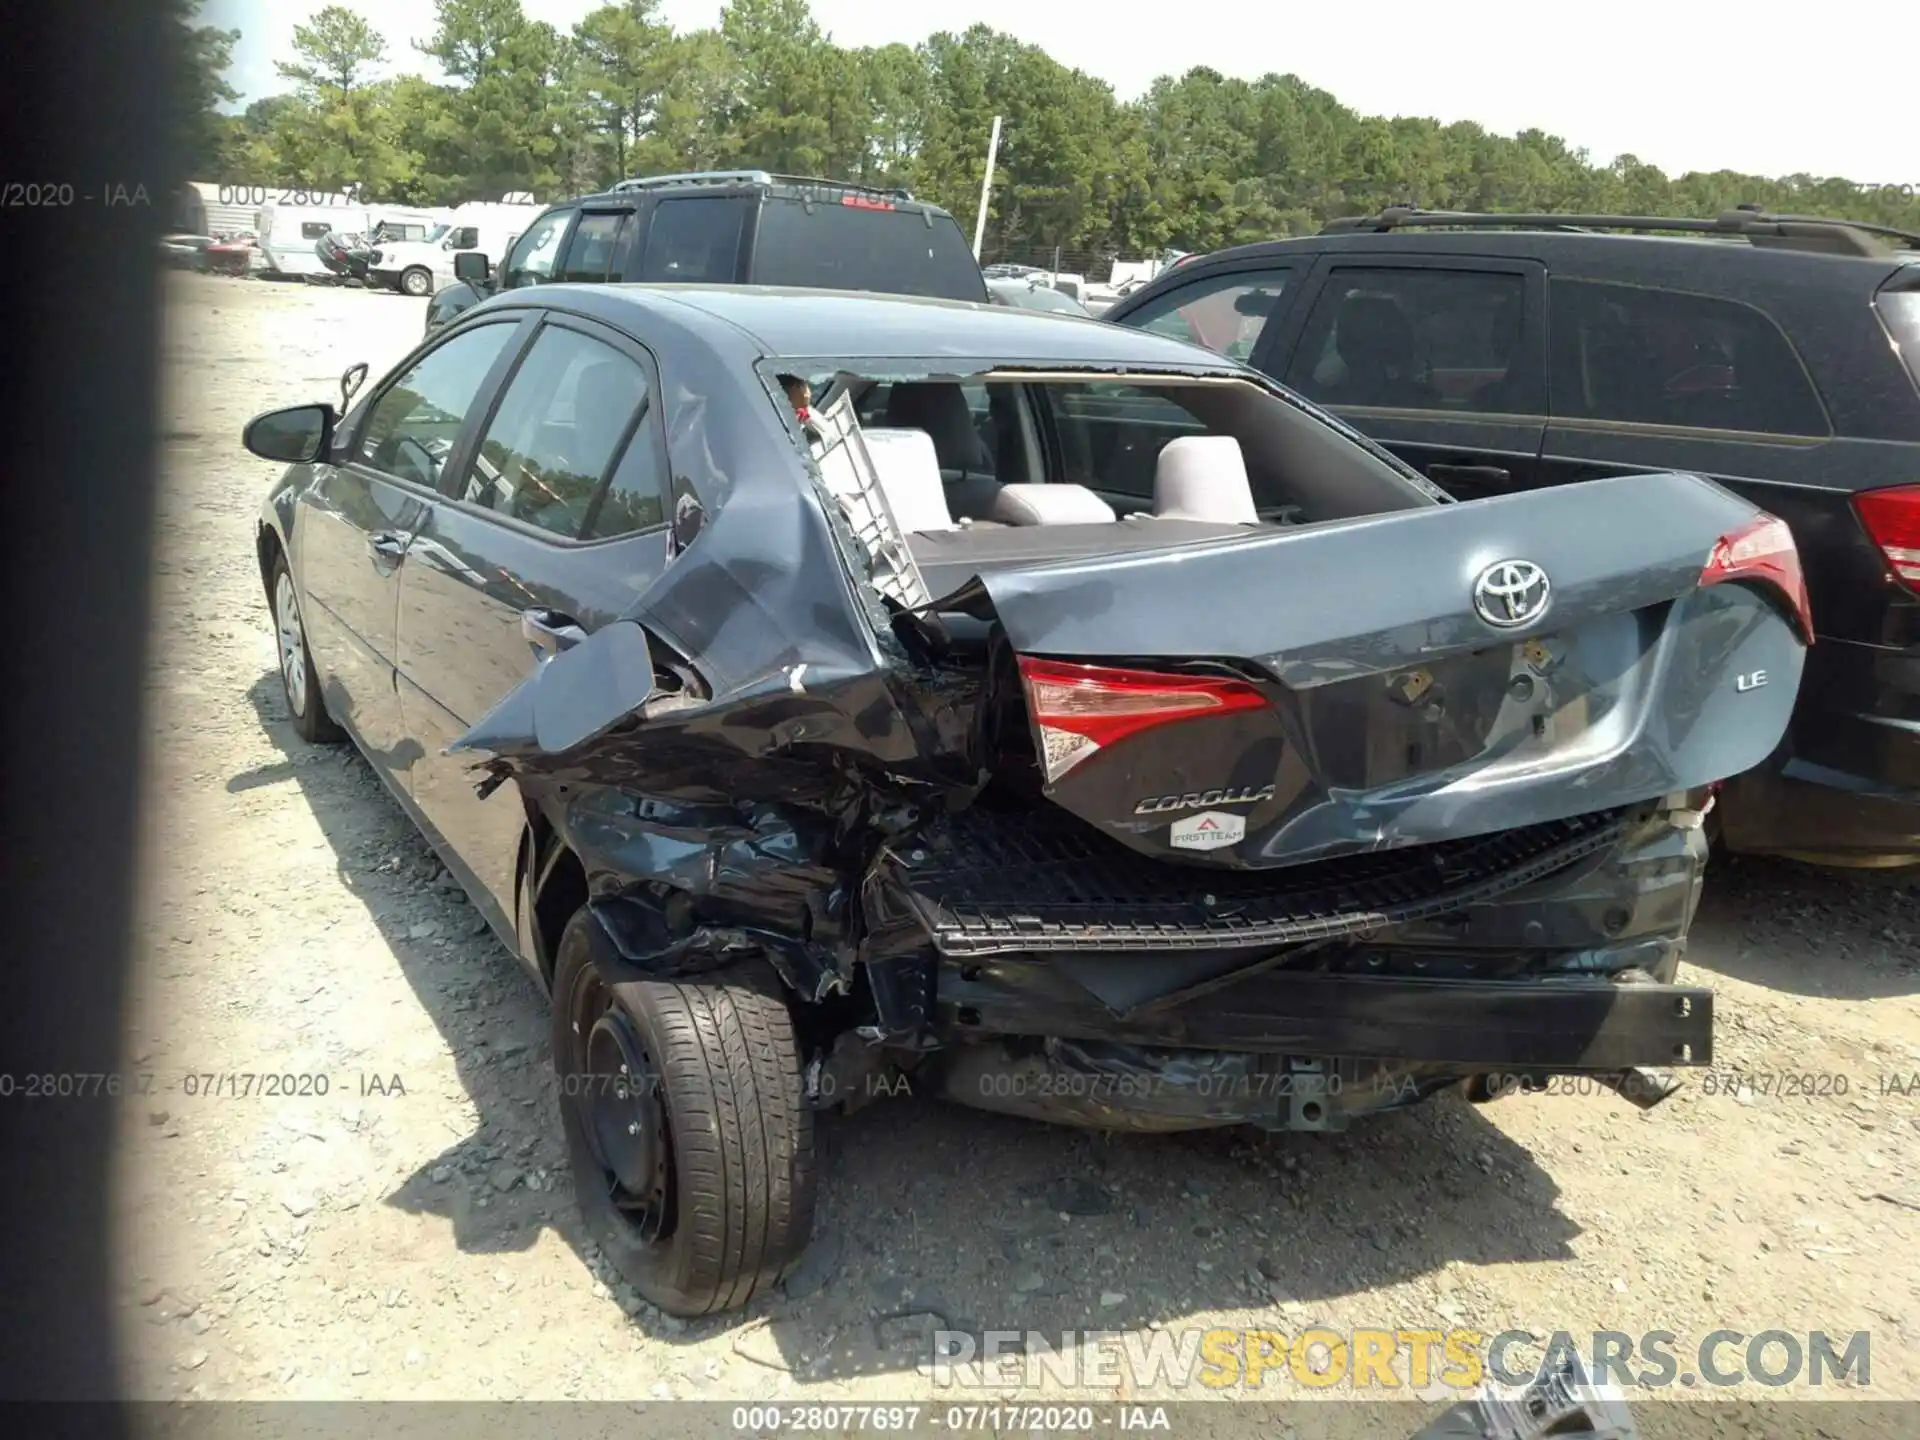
(388, 544)
(1493, 474)
(549, 631)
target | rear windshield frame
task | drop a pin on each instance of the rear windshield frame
(1398, 486)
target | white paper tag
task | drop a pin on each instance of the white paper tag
(1208, 830)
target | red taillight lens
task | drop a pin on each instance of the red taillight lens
(1892, 518)
(1764, 552)
(1080, 709)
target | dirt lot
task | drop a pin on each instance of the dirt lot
(410, 1232)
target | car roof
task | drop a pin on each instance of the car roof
(722, 184)
(840, 324)
(1668, 254)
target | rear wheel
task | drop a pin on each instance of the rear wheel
(416, 281)
(690, 1142)
(298, 681)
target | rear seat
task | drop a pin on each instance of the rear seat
(939, 407)
(1203, 477)
(1049, 505)
(1197, 478)
(909, 476)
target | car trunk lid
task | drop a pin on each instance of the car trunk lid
(1410, 677)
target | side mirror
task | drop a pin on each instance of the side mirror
(350, 383)
(295, 436)
(472, 266)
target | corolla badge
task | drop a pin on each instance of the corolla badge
(1510, 593)
(1201, 799)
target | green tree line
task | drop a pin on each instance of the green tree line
(1198, 162)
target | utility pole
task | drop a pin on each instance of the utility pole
(986, 188)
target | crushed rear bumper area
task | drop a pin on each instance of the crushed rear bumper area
(1043, 881)
(1300, 1052)
(1471, 1025)
(1062, 977)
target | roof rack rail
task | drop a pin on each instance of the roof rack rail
(751, 177)
(1786, 232)
(1905, 237)
(695, 177)
(896, 192)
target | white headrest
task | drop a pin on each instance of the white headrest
(1203, 477)
(909, 473)
(1049, 505)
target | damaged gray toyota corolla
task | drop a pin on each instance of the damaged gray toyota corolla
(1055, 715)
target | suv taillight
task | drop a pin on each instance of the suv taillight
(1081, 709)
(1892, 518)
(1763, 552)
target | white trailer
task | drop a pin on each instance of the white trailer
(289, 233)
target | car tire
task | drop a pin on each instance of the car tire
(697, 1182)
(299, 683)
(416, 282)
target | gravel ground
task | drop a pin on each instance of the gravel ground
(411, 1232)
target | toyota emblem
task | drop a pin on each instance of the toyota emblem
(1511, 593)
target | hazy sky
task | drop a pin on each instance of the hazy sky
(1681, 83)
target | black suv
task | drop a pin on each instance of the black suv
(733, 227)
(1778, 355)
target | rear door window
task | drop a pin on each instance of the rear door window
(635, 498)
(552, 440)
(695, 239)
(1663, 357)
(860, 244)
(1225, 313)
(1420, 339)
(592, 246)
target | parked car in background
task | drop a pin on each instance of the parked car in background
(1127, 277)
(291, 236)
(310, 240)
(418, 265)
(351, 256)
(1778, 355)
(234, 255)
(741, 227)
(185, 252)
(1070, 285)
(911, 738)
(334, 248)
(1034, 294)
